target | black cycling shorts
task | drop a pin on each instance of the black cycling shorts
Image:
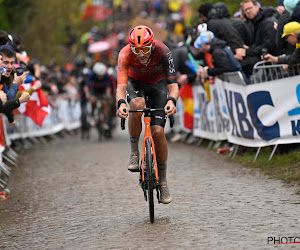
(155, 96)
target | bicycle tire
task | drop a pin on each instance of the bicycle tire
(150, 180)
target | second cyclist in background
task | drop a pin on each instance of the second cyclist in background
(100, 92)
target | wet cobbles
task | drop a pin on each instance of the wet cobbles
(73, 194)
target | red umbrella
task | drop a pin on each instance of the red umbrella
(98, 47)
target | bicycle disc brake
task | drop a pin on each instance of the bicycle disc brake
(143, 184)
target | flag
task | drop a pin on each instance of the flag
(186, 94)
(37, 108)
(2, 135)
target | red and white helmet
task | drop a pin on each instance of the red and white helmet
(141, 36)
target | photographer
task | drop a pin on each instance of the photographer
(10, 81)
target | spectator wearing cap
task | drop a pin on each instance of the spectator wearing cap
(291, 32)
(282, 46)
(207, 42)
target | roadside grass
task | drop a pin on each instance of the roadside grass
(284, 167)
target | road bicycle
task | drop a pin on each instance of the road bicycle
(104, 125)
(148, 179)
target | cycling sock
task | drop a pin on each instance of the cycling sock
(162, 172)
(134, 143)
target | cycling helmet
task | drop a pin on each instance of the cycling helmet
(141, 36)
(99, 69)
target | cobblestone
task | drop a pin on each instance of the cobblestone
(74, 194)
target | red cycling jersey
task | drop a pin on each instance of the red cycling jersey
(159, 67)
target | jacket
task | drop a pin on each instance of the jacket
(224, 30)
(219, 58)
(263, 32)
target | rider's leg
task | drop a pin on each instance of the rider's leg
(93, 101)
(105, 112)
(135, 129)
(161, 149)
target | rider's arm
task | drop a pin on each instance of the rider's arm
(173, 93)
(121, 95)
(170, 73)
(122, 78)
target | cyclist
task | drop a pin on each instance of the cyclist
(146, 71)
(100, 88)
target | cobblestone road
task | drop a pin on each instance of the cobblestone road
(71, 194)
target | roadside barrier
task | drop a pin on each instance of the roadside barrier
(64, 116)
(265, 113)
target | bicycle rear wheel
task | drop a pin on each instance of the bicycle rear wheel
(150, 180)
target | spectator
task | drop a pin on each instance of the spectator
(183, 66)
(238, 23)
(206, 42)
(6, 106)
(291, 32)
(293, 7)
(282, 46)
(261, 24)
(3, 37)
(10, 81)
(221, 27)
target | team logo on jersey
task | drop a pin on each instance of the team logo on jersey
(171, 63)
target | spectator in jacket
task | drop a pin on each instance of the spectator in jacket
(261, 21)
(238, 23)
(261, 24)
(293, 7)
(207, 42)
(6, 106)
(282, 46)
(221, 27)
(10, 81)
(291, 32)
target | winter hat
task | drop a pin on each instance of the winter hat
(204, 37)
(290, 5)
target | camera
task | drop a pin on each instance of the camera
(19, 71)
(264, 52)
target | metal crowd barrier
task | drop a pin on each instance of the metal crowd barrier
(264, 71)
(234, 77)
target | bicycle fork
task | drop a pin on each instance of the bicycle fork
(148, 135)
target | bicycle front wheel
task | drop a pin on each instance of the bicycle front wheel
(150, 180)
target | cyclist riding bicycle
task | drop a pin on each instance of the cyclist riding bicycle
(146, 71)
(100, 88)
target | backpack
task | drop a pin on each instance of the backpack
(235, 64)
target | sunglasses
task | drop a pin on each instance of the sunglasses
(145, 50)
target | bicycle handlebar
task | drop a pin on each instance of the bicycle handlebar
(145, 110)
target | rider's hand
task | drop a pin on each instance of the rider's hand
(120, 111)
(172, 110)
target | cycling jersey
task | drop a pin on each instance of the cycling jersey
(98, 85)
(160, 66)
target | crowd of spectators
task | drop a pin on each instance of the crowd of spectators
(219, 43)
(255, 33)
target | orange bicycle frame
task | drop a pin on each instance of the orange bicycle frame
(148, 134)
